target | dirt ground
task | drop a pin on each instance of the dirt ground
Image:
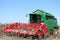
(5, 37)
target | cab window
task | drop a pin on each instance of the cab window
(50, 17)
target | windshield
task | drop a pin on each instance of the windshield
(35, 18)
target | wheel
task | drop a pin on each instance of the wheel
(55, 33)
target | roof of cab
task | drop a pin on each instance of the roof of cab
(41, 12)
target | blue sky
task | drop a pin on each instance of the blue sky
(16, 10)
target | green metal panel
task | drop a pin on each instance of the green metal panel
(41, 16)
(51, 24)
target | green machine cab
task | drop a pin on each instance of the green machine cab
(39, 16)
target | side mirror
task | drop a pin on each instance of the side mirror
(26, 15)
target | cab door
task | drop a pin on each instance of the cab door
(38, 18)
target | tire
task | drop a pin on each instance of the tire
(55, 33)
